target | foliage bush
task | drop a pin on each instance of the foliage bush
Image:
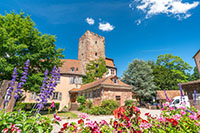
(29, 106)
(107, 107)
(129, 102)
(89, 103)
(81, 99)
(24, 122)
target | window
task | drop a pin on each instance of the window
(118, 98)
(97, 65)
(98, 92)
(33, 95)
(114, 80)
(112, 71)
(72, 69)
(94, 93)
(73, 79)
(176, 101)
(77, 69)
(96, 54)
(95, 42)
(57, 96)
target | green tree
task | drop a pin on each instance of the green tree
(139, 74)
(19, 41)
(195, 75)
(173, 62)
(170, 70)
(95, 69)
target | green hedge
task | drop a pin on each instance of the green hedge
(29, 106)
(107, 107)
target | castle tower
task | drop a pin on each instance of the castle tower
(91, 47)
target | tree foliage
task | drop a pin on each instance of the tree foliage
(169, 71)
(19, 41)
(173, 62)
(195, 75)
(140, 75)
(95, 69)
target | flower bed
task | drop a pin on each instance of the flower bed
(128, 120)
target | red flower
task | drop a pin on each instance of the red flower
(65, 125)
(146, 114)
(144, 121)
(198, 116)
(80, 121)
(174, 123)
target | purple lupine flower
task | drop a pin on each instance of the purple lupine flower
(181, 90)
(47, 89)
(168, 99)
(195, 97)
(190, 111)
(10, 89)
(22, 80)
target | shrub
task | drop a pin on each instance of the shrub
(81, 99)
(89, 104)
(81, 107)
(24, 121)
(129, 102)
(29, 106)
(108, 106)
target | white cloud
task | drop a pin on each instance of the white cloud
(90, 21)
(106, 26)
(177, 8)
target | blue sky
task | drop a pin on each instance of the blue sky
(138, 32)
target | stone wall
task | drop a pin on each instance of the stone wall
(197, 60)
(91, 47)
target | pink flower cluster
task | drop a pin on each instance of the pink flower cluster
(13, 128)
(83, 115)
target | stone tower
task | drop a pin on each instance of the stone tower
(91, 47)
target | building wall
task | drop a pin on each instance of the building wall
(108, 94)
(91, 47)
(197, 60)
(111, 71)
(112, 93)
(63, 87)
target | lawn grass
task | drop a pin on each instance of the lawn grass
(67, 115)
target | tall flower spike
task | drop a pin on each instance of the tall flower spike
(181, 90)
(22, 80)
(166, 95)
(47, 89)
(195, 97)
(10, 89)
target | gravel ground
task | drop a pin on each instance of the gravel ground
(103, 117)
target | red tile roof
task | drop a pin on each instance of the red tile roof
(106, 82)
(68, 64)
(170, 93)
(109, 62)
(191, 82)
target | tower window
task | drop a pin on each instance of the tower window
(96, 54)
(95, 42)
(112, 71)
(72, 69)
(77, 69)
